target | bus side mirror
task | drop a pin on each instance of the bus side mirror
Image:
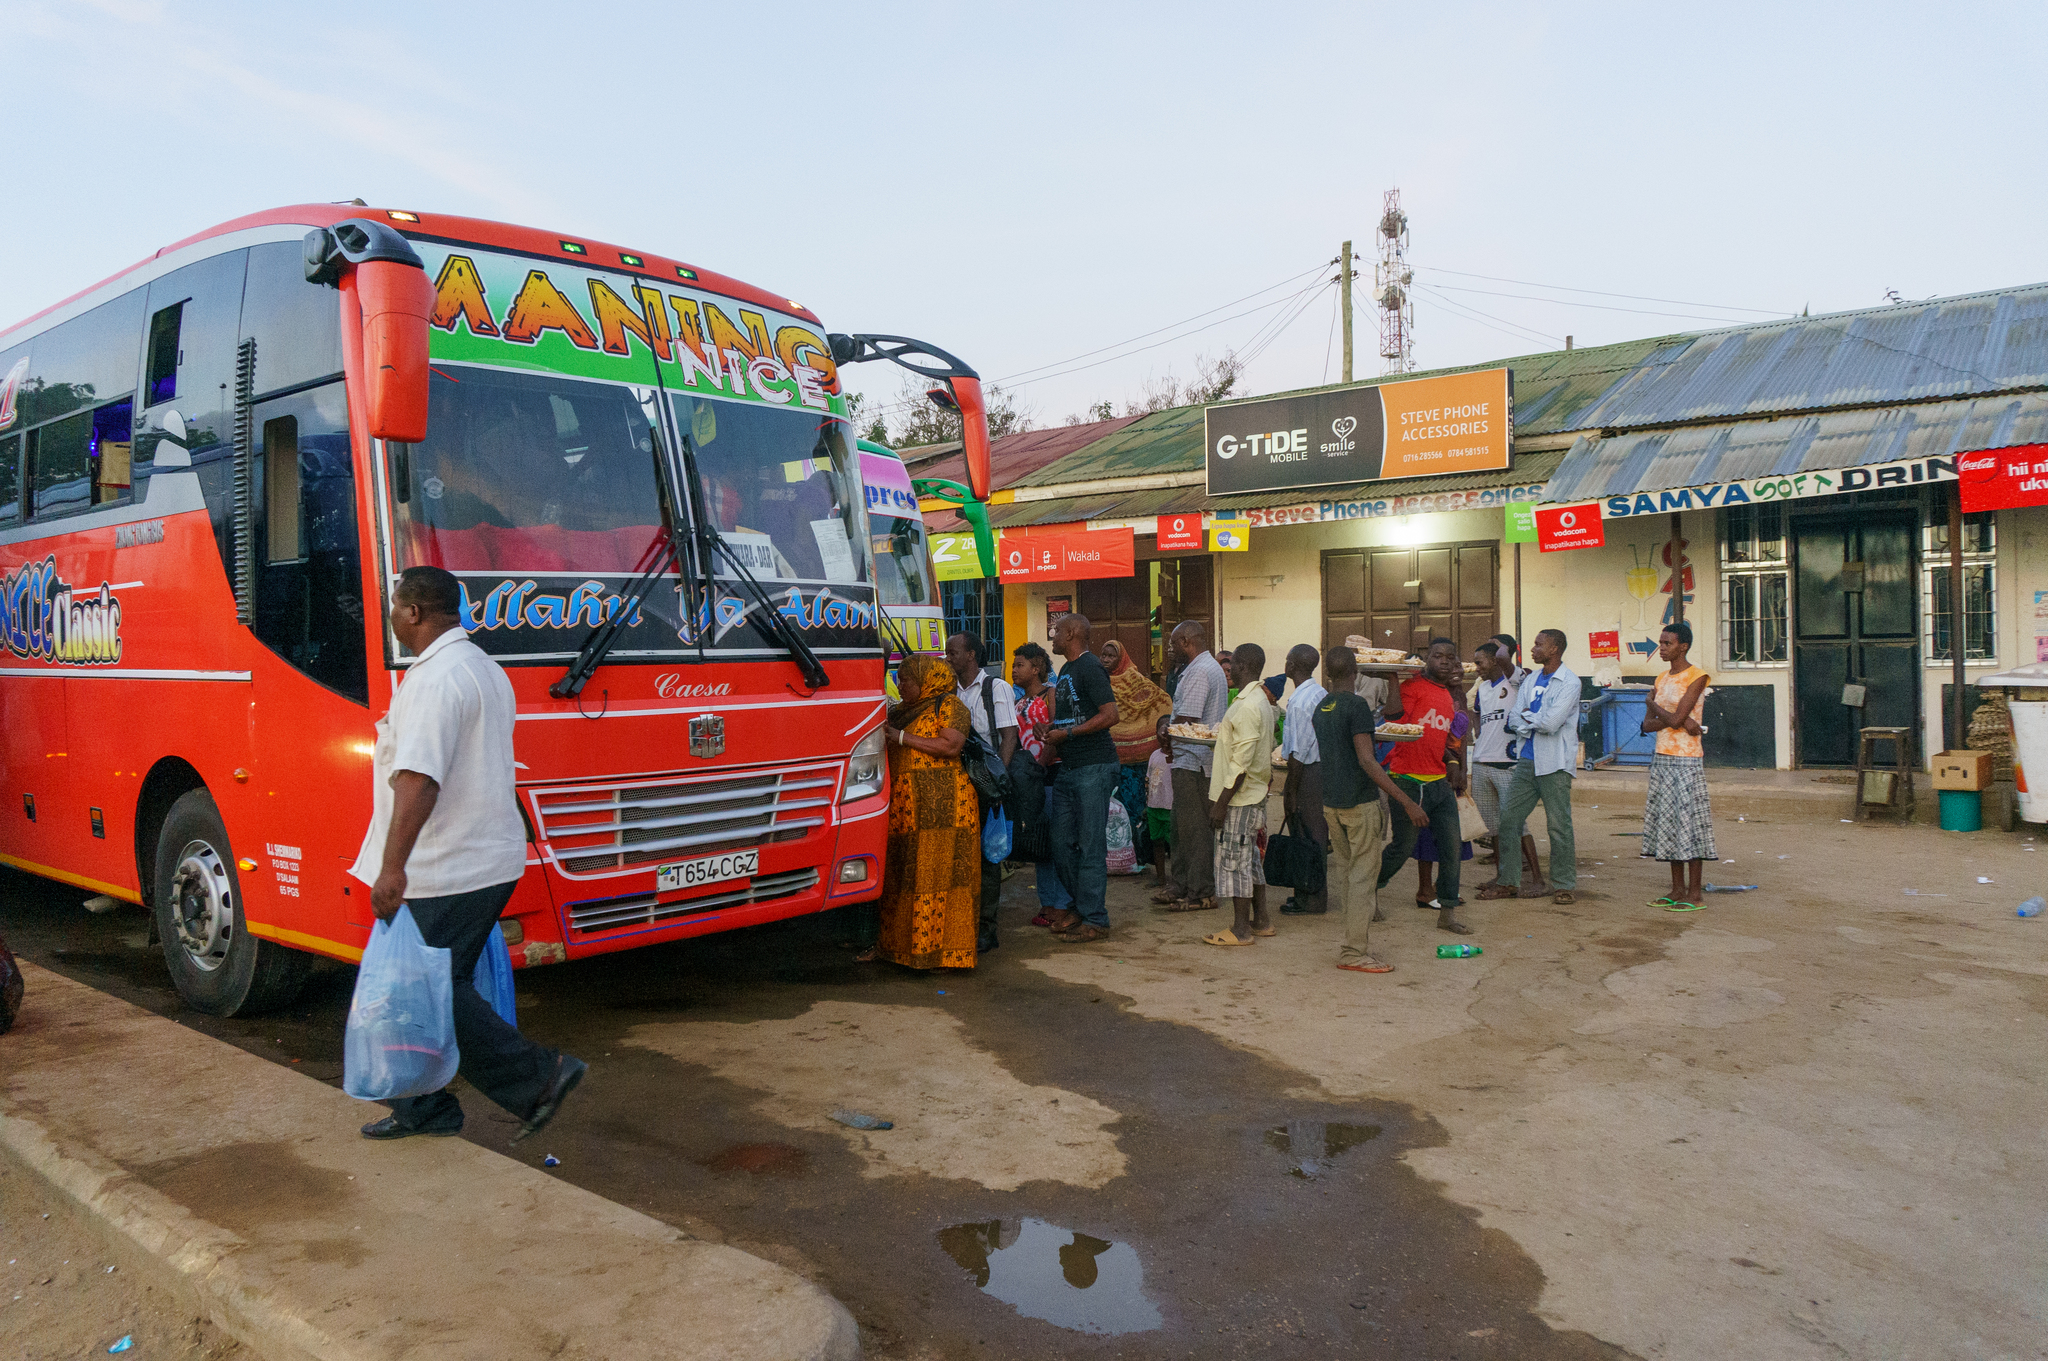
(973, 432)
(395, 300)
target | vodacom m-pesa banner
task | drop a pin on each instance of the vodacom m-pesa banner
(1081, 555)
(1577, 526)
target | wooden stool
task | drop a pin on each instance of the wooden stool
(1891, 785)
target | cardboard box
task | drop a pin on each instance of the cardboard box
(1962, 770)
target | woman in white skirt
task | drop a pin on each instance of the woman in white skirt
(1678, 826)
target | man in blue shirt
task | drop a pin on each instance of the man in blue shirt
(1543, 729)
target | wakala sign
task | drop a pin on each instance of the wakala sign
(1424, 427)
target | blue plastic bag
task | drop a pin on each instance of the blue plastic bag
(401, 1023)
(995, 837)
(494, 977)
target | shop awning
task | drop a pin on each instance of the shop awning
(1746, 451)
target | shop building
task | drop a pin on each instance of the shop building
(1792, 481)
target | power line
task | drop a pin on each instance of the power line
(1601, 306)
(1632, 297)
(1273, 334)
(1519, 331)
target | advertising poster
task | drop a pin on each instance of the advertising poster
(1562, 527)
(1182, 532)
(2004, 479)
(1424, 427)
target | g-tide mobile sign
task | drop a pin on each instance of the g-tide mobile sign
(1424, 427)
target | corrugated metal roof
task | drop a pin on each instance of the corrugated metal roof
(1945, 347)
(1010, 458)
(1656, 460)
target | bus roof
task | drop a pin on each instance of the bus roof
(476, 231)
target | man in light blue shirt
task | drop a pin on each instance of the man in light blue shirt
(1303, 794)
(1543, 732)
(1201, 697)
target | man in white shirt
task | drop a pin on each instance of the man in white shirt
(1493, 763)
(1200, 697)
(992, 708)
(446, 842)
(1302, 796)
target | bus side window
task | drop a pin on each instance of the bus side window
(309, 566)
(10, 480)
(281, 489)
(296, 325)
(206, 299)
(160, 373)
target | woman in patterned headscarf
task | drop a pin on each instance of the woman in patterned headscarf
(931, 883)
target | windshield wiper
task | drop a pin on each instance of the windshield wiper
(771, 623)
(598, 645)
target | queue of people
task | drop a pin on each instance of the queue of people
(1474, 757)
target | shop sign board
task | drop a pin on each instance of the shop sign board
(1057, 607)
(1604, 644)
(1229, 533)
(1521, 524)
(1791, 487)
(1562, 527)
(1181, 531)
(2004, 479)
(1424, 427)
(955, 558)
(1431, 503)
(1081, 555)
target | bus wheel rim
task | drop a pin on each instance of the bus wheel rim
(203, 900)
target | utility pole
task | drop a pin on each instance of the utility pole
(1344, 297)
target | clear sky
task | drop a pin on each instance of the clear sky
(1026, 184)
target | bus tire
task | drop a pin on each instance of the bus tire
(218, 966)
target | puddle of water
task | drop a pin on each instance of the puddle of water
(1071, 1280)
(1314, 1142)
(769, 1160)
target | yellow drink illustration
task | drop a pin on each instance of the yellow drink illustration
(1642, 584)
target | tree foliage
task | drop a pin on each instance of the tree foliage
(913, 419)
(1214, 380)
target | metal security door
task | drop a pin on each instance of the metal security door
(1402, 597)
(1854, 620)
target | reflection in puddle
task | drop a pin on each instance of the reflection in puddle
(1314, 1143)
(1043, 1271)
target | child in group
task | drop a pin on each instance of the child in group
(1159, 799)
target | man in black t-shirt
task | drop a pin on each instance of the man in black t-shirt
(1083, 712)
(1351, 805)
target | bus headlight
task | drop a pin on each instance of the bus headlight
(865, 769)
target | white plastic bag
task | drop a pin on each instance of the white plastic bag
(1123, 855)
(401, 1023)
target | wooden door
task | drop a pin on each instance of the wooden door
(1403, 597)
(1187, 590)
(1120, 608)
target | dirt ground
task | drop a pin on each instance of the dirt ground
(1804, 1122)
(58, 1297)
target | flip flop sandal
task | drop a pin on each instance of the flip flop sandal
(1223, 938)
(1683, 906)
(1191, 905)
(1269, 931)
(1041, 920)
(1496, 892)
(1456, 928)
(1367, 966)
(1660, 902)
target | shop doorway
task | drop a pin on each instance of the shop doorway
(1855, 619)
(1403, 597)
(1141, 609)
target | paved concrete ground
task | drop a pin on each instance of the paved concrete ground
(1805, 1122)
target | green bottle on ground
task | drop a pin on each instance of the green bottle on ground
(1458, 951)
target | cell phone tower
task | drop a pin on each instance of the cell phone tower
(1392, 279)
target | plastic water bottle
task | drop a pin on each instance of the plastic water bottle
(2030, 908)
(1463, 951)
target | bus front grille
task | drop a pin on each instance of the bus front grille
(642, 909)
(595, 829)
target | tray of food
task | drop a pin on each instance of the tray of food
(1201, 734)
(1397, 732)
(1387, 661)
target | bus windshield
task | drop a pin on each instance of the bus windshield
(780, 488)
(902, 576)
(526, 472)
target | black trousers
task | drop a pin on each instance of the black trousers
(1440, 802)
(496, 1059)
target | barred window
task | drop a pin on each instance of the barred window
(1980, 594)
(1755, 586)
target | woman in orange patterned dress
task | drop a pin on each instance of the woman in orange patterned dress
(931, 883)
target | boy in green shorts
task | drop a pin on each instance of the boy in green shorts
(1159, 799)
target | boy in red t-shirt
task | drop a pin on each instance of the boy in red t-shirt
(1432, 772)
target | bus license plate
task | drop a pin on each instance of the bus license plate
(709, 870)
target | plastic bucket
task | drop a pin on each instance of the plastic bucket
(1962, 810)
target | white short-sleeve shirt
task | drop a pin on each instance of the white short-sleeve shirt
(451, 721)
(1000, 698)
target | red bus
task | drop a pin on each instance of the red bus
(213, 467)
